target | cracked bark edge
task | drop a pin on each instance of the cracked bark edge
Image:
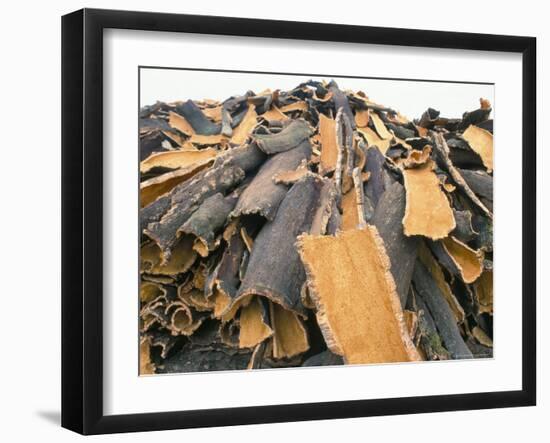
(401, 250)
(335, 338)
(263, 196)
(291, 136)
(442, 314)
(480, 182)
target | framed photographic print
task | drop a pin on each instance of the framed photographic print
(273, 221)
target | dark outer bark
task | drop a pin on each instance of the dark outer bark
(441, 150)
(341, 101)
(443, 257)
(210, 217)
(199, 359)
(400, 131)
(464, 230)
(478, 350)
(275, 269)
(153, 212)
(185, 202)
(487, 125)
(480, 182)
(263, 195)
(291, 136)
(375, 186)
(485, 228)
(474, 117)
(444, 319)
(226, 128)
(226, 274)
(151, 143)
(428, 118)
(462, 155)
(429, 337)
(198, 121)
(401, 250)
(325, 358)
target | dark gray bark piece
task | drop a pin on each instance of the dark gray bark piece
(430, 341)
(186, 201)
(401, 131)
(263, 195)
(274, 269)
(474, 117)
(198, 121)
(485, 228)
(464, 230)
(428, 118)
(201, 359)
(442, 314)
(209, 218)
(487, 125)
(375, 185)
(340, 100)
(480, 182)
(325, 358)
(462, 155)
(226, 275)
(478, 350)
(443, 257)
(290, 137)
(401, 250)
(150, 143)
(153, 212)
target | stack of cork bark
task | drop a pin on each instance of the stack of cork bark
(312, 227)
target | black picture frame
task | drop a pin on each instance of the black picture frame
(82, 218)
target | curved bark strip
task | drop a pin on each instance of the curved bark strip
(148, 291)
(401, 250)
(245, 127)
(197, 120)
(362, 294)
(182, 258)
(375, 186)
(468, 261)
(263, 196)
(184, 320)
(481, 141)
(153, 188)
(430, 340)
(177, 159)
(442, 314)
(464, 230)
(291, 136)
(274, 113)
(290, 335)
(442, 151)
(274, 269)
(186, 201)
(373, 139)
(254, 324)
(427, 259)
(427, 212)
(340, 100)
(208, 219)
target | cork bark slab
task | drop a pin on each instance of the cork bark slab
(481, 141)
(329, 150)
(358, 309)
(427, 212)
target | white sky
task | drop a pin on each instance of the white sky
(411, 98)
